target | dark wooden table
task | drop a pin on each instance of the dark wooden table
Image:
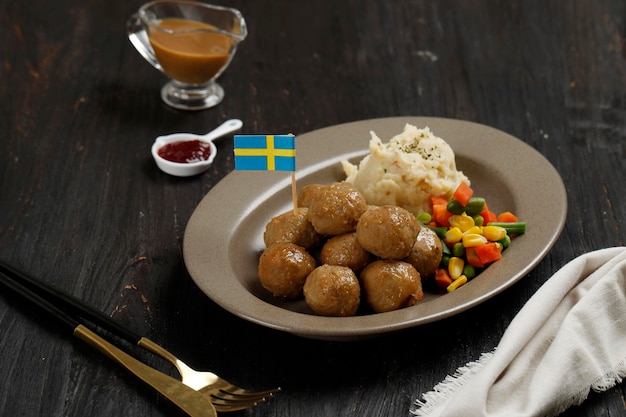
(83, 205)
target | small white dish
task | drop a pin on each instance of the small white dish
(187, 169)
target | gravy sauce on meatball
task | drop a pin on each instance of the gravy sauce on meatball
(332, 290)
(345, 250)
(426, 253)
(283, 269)
(388, 232)
(336, 209)
(292, 226)
(391, 285)
(308, 193)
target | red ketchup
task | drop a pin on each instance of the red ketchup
(185, 151)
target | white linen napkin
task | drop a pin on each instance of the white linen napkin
(570, 337)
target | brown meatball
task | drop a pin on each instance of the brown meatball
(388, 232)
(292, 226)
(336, 209)
(390, 285)
(345, 250)
(332, 290)
(283, 268)
(426, 254)
(308, 193)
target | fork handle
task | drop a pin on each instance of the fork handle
(159, 350)
(153, 347)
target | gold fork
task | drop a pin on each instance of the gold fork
(188, 400)
(194, 403)
(224, 395)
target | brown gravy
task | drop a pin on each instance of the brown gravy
(192, 57)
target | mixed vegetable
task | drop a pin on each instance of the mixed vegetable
(473, 237)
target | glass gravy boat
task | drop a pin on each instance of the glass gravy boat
(190, 42)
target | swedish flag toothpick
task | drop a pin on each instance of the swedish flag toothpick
(265, 152)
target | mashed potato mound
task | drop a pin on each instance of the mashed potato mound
(414, 166)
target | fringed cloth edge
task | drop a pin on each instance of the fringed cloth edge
(445, 389)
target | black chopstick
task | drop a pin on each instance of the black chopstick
(187, 399)
(61, 305)
(39, 301)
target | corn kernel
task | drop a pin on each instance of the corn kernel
(455, 267)
(456, 283)
(462, 221)
(474, 230)
(453, 235)
(494, 233)
(472, 240)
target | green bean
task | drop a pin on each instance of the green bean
(505, 241)
(440, 231)
(445, 248)
(474, 206)
(455, 207)
(512, 228)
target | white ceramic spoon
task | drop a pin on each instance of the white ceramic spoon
(187, 169)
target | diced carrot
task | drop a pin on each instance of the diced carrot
(438, 201)
(489, 252)
(442, 278)
(463, 193)
(507, 217)
(432, 224)
(472, 258)
(487, 215)
(441, 215)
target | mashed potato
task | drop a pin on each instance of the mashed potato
(407, 171)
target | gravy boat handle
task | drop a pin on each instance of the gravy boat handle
(139, 38)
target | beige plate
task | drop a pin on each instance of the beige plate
(223, 239)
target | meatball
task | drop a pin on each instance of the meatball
(308, 193)
(292, 226)
(283, 268)
(388, 232)
(345, 250)
(336, 209)
(426, 254)
(332, 290)
(391, 285)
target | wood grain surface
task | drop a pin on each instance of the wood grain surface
(83, 206)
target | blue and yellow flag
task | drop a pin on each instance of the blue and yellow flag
(265, 152)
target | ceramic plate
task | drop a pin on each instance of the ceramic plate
(224, 236)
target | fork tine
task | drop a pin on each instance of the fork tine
(241, 392)
(226, 387)
(229, 406)
(224, 401)
(225, 397)
(233, 398)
